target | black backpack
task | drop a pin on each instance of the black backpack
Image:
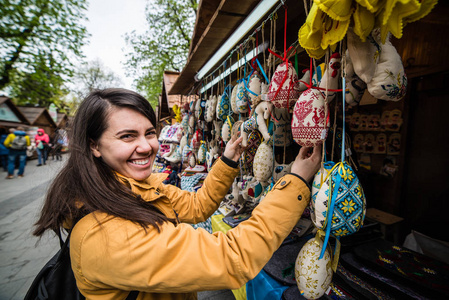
(56, 280)
(19, 143)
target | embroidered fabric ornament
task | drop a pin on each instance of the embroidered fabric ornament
(345, 200)
(235, 90)
(211, 105)
(191, 124)
(224, 105)
(185, 153)
(283, 90)
(308, 120)
(355, 87)
(330, 77)
(282, 135)
(242, 98)
(313, 274)
(254, 139)
(364, 55)
(389, 81)
(263, 162)
(254, 86)
(196, 139)
(185, 123)
(257, 121)
(202, 153)
(226, 129)
(176, 155)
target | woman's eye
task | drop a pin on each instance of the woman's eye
(126, 136)
(151, 133)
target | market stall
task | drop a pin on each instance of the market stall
(288, 75)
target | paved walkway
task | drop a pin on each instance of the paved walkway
(21, 254)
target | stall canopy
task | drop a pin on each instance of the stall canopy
(62, 120)
(39, 117)
(10, 115)
(215, 22)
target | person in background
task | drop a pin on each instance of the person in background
(42, 140)
(4, 152)
(17, 142)
(129, 231)
(58, 142)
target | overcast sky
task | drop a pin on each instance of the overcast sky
(109, 20)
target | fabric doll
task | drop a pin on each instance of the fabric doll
(257, 120)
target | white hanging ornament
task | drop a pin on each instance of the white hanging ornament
(313, 275)
(263, 162)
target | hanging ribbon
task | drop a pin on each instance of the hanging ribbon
(284, 59)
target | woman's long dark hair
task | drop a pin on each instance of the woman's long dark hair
(86, 184)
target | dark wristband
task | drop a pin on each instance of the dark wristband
(229, 162)
(308, 185)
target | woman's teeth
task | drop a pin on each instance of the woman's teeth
(140, 162)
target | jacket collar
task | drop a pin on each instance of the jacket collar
(145, 188)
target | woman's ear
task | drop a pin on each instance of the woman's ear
(94, 149)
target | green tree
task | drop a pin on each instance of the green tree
(93, 75)
(39, 41)
(163, 46)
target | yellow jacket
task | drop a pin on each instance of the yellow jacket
(112, 256)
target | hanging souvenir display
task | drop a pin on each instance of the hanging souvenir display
(313, 274)
(257, 121)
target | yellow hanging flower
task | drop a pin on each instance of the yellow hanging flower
(340, 10)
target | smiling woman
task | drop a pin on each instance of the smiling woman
(132, 232)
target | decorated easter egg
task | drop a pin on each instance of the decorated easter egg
(226, 129)
(284, 86)
(254, 86)
(185, 152)
(254, 139)
(263, 162)
(308, 120)
(224, 105)
(202, 153)
(349, 200)
(211, 105)
(185, 123)
(234, 99)
(242, 98)
(313, 275)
